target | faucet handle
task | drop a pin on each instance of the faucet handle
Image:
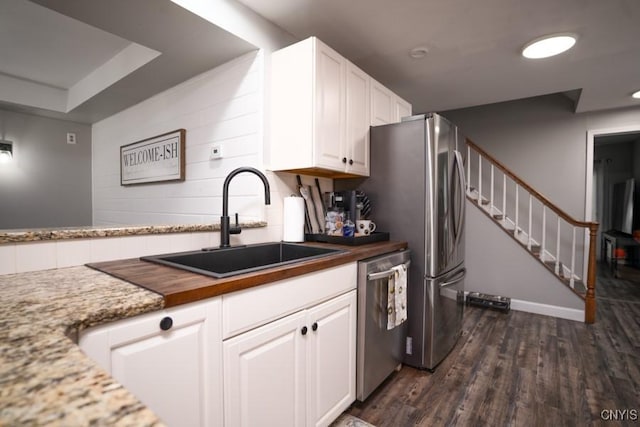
(236, 228)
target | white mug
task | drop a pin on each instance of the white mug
(365, 226)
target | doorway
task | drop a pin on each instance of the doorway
(613, 192)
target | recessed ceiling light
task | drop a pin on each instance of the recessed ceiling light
(636, 95)
(547, 46)
(419, 52)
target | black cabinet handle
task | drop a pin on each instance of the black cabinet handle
(314, 326)
(166, 323)
(304, 330)
(350, 161)
(344, 160)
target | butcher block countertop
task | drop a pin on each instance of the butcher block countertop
(45, 379)
(180, 286)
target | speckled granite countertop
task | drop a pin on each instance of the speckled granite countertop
(38, 234)
(45, 379)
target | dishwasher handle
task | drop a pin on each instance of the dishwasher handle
(385, 274)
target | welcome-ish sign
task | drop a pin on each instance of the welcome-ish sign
(161, 158)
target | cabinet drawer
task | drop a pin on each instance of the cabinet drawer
(253, 307)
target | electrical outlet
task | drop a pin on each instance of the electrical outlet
(71, 138)
(216, 152)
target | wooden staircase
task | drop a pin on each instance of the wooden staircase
(563, 245)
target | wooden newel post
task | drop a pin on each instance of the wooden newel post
(590, 300)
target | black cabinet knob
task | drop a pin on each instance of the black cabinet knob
(314, 326)
(344, 160)
(166, 323)
(350, 161)
(304, 330)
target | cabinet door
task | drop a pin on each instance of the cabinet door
(331, 385)
(176, 373)
(264, 375)
(402, 108)
(329, 150)
(381, 105)
(357, 127)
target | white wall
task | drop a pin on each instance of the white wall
(497, 265)
(544, 142)
(220, 107)
(48, 182)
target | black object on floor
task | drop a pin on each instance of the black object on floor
(489, 301)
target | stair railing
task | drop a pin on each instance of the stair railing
(505, 200)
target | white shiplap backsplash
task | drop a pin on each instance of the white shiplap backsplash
(220, 107)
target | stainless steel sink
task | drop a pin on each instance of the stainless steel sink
(225, 262)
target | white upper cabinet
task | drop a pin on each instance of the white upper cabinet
(356, 150)
(381, 105)
(328, 132)
(321, 110)
(386, 106)
(401, 109)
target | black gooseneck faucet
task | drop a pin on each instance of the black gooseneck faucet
(225, 229)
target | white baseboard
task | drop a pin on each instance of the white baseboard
(533, 307)
(548, 310)
(539, 308)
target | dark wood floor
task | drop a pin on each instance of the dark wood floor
(524, 369)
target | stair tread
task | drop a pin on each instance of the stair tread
(523, 237)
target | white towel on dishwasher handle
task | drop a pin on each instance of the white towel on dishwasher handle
(397, 296)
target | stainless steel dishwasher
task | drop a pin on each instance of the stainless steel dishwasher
(379, 351)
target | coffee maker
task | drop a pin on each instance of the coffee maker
(350, 201)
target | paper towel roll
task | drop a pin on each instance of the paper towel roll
(293, 221)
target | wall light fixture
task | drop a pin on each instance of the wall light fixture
(6, 150)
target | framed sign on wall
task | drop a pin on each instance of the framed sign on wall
(157, 159)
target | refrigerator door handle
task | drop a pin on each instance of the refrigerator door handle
(460, 167)
(385, 274)
(459, 276)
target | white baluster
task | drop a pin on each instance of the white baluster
(491, 194)
(515, 230)
(504, 198)
(573, 258)
(557, 269)
(468, 169)
(529, 236)
(544, 232)
(479, 180)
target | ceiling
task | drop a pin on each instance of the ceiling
(84, 60)
(474, 47)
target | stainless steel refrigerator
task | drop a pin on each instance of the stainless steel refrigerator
(417, 190)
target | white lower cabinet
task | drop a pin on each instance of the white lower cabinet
(331, 359)
(279, 354)
(295, 371)
(176, 372)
